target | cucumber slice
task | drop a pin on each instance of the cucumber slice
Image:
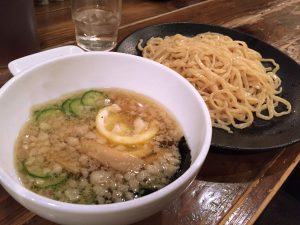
(76, 107)
(52, 182)
(47, 113)
(35, 172)
(66, 107)
(93, 98)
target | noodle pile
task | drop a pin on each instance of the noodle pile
(230, 77)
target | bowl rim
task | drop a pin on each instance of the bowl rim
(17, 188)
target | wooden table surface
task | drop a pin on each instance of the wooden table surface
(232, 187)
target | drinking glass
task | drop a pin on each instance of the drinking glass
(96, 23)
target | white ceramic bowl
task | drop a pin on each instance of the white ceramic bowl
(100, 70)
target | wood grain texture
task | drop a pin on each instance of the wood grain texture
(278, 25)
(231, 188)
(12, 212)
(60, 12)
(5, 75)
(260, 191)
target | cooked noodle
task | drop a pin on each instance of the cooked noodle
(230, 77)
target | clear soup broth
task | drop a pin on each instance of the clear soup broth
(99, 147)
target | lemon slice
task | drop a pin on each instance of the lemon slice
(129, 138)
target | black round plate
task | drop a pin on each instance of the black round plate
(262, 135)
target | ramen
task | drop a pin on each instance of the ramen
(98, 147)
(235, 81)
